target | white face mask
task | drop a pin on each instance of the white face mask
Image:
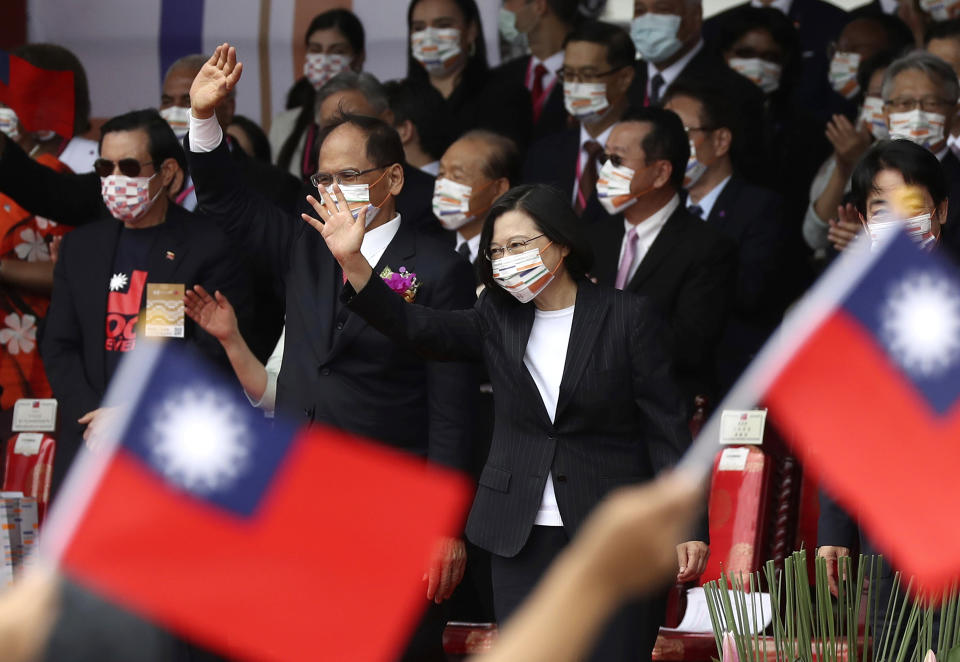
(507, 23)
(613, 187)
(437, 49)
(941, 10)
(178, 118)
(359, 193)
(451, 203)
(127, 198)
(695, 168)
(763, 74)
(872, 115)
(655, 36)
(9, 123)
(920, 127)
(321, 67)
(524, 275)
(843, 74)
(916, 227)
(585, 101)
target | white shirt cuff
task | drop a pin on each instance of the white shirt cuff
(205, 135)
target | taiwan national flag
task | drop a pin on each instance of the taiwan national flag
(863, 379)
(41, 98)
(244, 536)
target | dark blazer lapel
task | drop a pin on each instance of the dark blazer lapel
(399, 253)
(517, 325)
(588, 318)
(316, 297)
(606, 261)
(569, 154)
(169, 250)
(670, 235)
(720, 214)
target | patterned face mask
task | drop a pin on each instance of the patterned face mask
(920, 127)
(127, 198)
(321, 67)
(524, 275)
(843, 74)
(437, 49)
(585, 101)
(872, 115)
(763, 74)
(178, 118)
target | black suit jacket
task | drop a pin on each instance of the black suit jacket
(553, 118)
(553, 160)
(619, 417)
(72, 345)
(750, 148)
(415, 202)
(950, 240)
(336, 369)
(689, 274)
(753, 218)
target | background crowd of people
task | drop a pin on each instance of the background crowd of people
(711, 167)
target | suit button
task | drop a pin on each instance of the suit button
(561, 478)
(339, 326)
(325, 372)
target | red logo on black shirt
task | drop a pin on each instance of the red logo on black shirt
(123, 311)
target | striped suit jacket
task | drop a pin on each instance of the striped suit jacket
(619, 417)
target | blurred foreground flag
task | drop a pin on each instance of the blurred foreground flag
(248, 538)
(863, 379)
(41, 98)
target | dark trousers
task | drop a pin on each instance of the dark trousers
(630, 634)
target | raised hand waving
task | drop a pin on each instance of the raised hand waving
(217, 77)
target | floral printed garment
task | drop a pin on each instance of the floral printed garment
(23, 237)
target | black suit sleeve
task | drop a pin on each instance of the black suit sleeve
(761, 252)
(452, 387)
(435, 335)
(248, 219)
(701, 307)
(60, 196)
(62, 342)
(835, 526)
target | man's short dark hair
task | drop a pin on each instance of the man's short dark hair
(383, 142)
(666, 141)
(942, 30)
(620, 49)
(716, 110)
(916, 164)
(421, 103)
(568, 11)
(503, 158)
(162, 143)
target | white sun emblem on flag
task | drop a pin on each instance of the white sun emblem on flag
(118, 282)
(921, 323)
(198, 440)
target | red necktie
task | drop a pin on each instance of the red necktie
(588, 176)
(536, 92)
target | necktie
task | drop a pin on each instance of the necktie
(696, 210)
(536, 92)
(629, 253)
(588, 176)
(656, 84)
(464, 250)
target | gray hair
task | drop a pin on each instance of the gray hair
(928, 64)
(361, 81)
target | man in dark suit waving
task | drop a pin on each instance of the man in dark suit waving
(653, 246)
(748, 214)
(336, 369)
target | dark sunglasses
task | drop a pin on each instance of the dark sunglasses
(128, 167)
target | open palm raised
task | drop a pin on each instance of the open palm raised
(336, 225)
(217, 77)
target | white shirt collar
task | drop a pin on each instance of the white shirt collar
(552, 63)
(473, 243)
(647, 231)
(707, 202)
(375, 241)
(783, 5)
(671, 73)
(890, 6)
(431, 168)
(942, 154)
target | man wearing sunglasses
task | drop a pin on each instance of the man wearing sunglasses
(105, 270)
(336, 369)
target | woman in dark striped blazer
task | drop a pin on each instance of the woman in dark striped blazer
(584, 398)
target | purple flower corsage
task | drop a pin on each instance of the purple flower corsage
(402, 282)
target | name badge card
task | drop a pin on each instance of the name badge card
(164, 310)
(742, 427)
(30, 415)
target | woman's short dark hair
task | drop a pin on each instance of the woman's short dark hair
(476, 61)
(916, 164)
(551, 211)
(872, 65)
(162, 143)
(746, 19)
(343, 20)
(258, 139)
(58, 58)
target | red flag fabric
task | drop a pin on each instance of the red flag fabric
(863, 380)
(42, 99)
(251, 540)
